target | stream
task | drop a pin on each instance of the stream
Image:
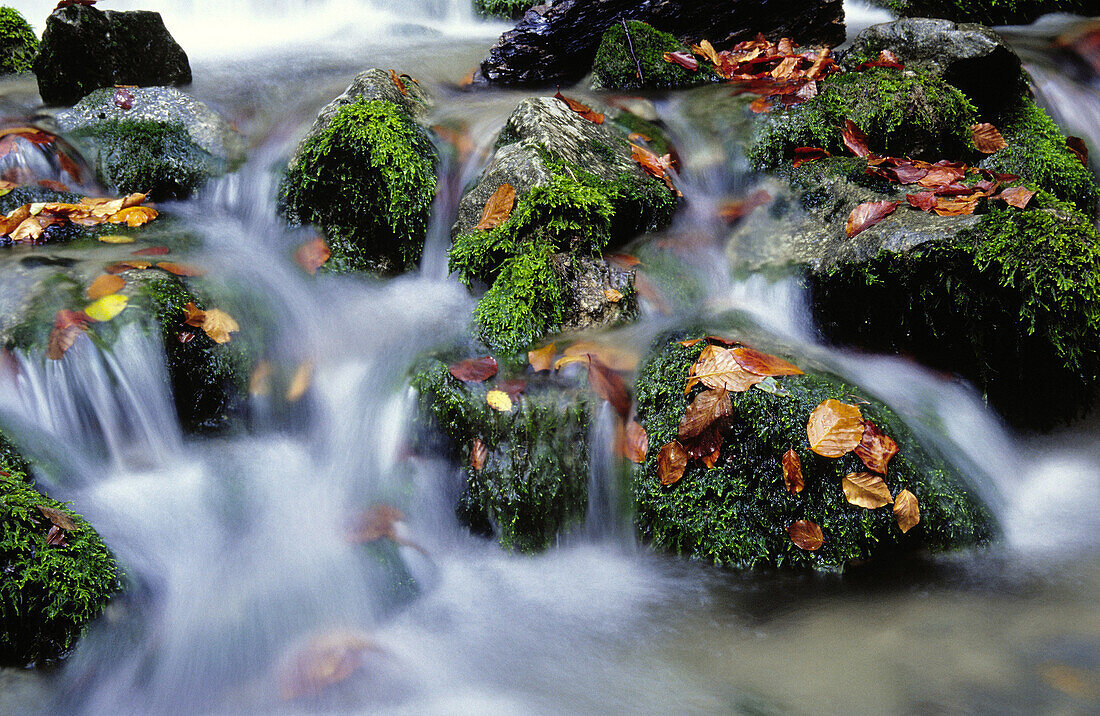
(234, 543)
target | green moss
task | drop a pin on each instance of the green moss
(47, 593)
(368, 180)
(903, 114)
(1012, 304)
(989, 12)
(615, 68)
(534, 484)
(1037, 152)
(737, 513)
(524, 303)
(145, 156)
(511, 9)
(18, 43)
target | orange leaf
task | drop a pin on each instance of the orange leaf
(760, 363)
(867, 215)
(312, 255)
(792, 472)
(398, 83)
(863, 489)
(127, 266)
(1016, 196)
(133, 216)
(475, 370)
(671, 463)
(609, 385)
(326, 660)
(682, 59)
(67, 327)
(706, 50)
(218, 325)
(707, 408)
(956, 207)
(719, 368)
(542, 358)
(498, 208)
(906, 510)
(612, 295)
(105, 285)
(178, 269)
(987, 139)
(875, 449)
(760, 105)
(635, 443)
(194, 315)
(834, 428)
(478, 454)
(581, 109)
(806, 535)
(653, 164)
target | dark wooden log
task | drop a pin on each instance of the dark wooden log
(556, 42)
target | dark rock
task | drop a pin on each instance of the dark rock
(18, 43)
(557, 42)
(84, 49)
(510, 9)
(597, 294)
(987, 12)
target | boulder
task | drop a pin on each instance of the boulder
(987, 12)
(578, 192)
(365, 175)
(84, 49)
(738, 511)
(556, 42)
(18, 43)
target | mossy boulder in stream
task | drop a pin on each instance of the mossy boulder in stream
(48, 592)
(988, 12)
(738, 512)
(578, 192)
(18, 43)
(615, 67)
(365, 175)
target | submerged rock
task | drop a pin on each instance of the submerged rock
(578, 191)
(987, 12)
(557, 42)
(738, 512)
(365, 175)
(615, 68)
(84, 49)
(52, 583)
(18, 43)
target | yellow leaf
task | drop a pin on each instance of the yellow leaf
(906, 510)
(566, 360)
(299, 384)
(114, 239)
(106, 308)
(499, 400)
(260, 382)
(863, 489)
(218, 325)
(834, 428)
(133, 216)
(542, 358)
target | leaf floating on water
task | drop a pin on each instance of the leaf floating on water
(542, 358)
(299, 382)
(1016, 196)
(755, 361)
(479, 453)
(792, 472)
(671, 463)
(113, 239)
(375, 523)
(128, 266)
(312, 255)
(875, 448)
(609, 385)
(863, 489)
(834, 428)
(474, 370)
(67, 327)
(498, 400)
(326, 660)
(498, 208)
(152, 251)
(855, 139)
(986, 138)
(806, 535)
(180, 269)
(683, 59)
(581, 109)
(259, 383)
(57, 517)
(617, 357)
(106, 308)
(867, 215)
(906, 510)
(105, 285)
(707, 408)
(635, 442)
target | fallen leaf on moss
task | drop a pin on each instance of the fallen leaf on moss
(67, 327)
(635, 443)
(581, 109)
(707, 408)
(855, 139)
(875, 448)
(806, 535)
(105, 285)
(885, 58)
(654, 165)
(718, 368)
(986, 138)
(215, 323)
(805, 155)
(312, 255)
(683, 59)
(474, 370)
(478, 454)
(542, 358)
(906, 510)
(498, 400)
(57, 517)
(671, 463)
(1016, 196)
(398, 83)
(56, 537)
(755, 361)
(867, 215)
(792, 472)
(106, 308)
(863, 489)
(834, 428)
(498, 208)
(612, 295)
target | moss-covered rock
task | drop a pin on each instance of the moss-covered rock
(738, 512)
(148, 156)
(534, 484)
(988, 12)
(18, 43)
(367, 179)
(615, 68)
(48, 593)
(509, 9)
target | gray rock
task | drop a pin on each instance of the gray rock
(593, 284)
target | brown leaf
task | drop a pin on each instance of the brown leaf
(719, 368)
(938, 177)
(855, 139)
(986, 138)
(650, 162)
(478, 454)
(56, 537)
(956, 207)
(760, 105)
(707, 408)
(312, 255)
(1079, 149)
(683, 59)
(834, 428)
(906, 510)
(178, 269)
(122, 266)
(1016, 196)
(804, 155)
(712, 459)
(875, 448)
(635, 443)
(475, 370)
(398, 83)
(867, 215)
(925, 200)
(194, 315)
(671, 463)
(57, 517)
(609, 385)
(863, 489)
(67, 327)
(542, 358)
(498, 208)
(513, 387)
(806, 535)
(105, 285)
(755, 361)
(792, 472)
(152, 251)
(326, 660)
(581, 109)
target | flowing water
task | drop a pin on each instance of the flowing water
(234, 546)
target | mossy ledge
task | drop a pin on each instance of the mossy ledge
(737, 513)
(18, 43)
(508, 9)
(48, 594)
(615, 69)
(368, 181)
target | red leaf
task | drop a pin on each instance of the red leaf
(512, 387)
(802, 155)
(609, 385)
(867, 215)
(855, 139)
(581, 109)
(124, 98)
(683, 59)
(907, 173)
(475, 370)
(67, 327)
(925, 200)
(1016, 196)
(886, 58)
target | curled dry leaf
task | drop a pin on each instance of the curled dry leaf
(649, 161)
(475, 370)
(498, 208)
(612, 295)
(863, 489)
(498, 400)
(105, 285)
(755, 361)
(609, 385)
(986, 138)
(177, 269)
(67, 327)
(312, 255)
(792, 472)
(1016, 196)
(804, 155)
(106, 308)
(834, 428)
(635, 443)
(906, 510)
(398, 83)
(876, 448)
(855, 139)
(325, 660)
(708, 407)
(581, 109)
(671, 463)
(719, 368)
(806, 535)
(542, 358)
(56, 537)
(479, 453)
(706, 50)
(683, 59)
(57, 517)
(867, 215)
